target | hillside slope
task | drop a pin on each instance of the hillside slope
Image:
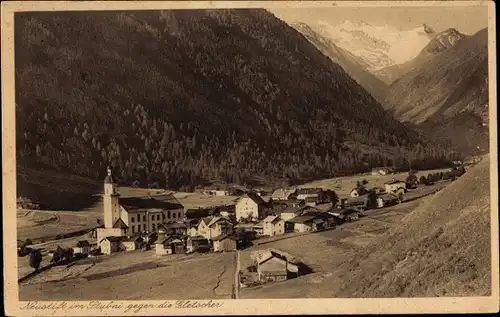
(353, 66)
(179, 98)
(442, 248)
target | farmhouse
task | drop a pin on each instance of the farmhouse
(382, 171)
(274, 267)
(304, 193)
(197, 244)
(127, 216)
(283, 194)
(110, 244)
(132, 243)
(224, 243)
(386, 200)
(394, 185)
(211, 227)
(273, 226)
(249, 206)
(82, 247)
(292, 212)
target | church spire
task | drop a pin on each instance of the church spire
(109, 177)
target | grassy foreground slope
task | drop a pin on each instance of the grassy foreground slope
(442, 248)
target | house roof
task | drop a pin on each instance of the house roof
(147, 203)
(270, 219)
(394, 181)
(175, 225)
(318, 220)
(255, 198)
(300, 209)
(132, 238)
(82, 244)
(223, 237)
(114, 239)
(307, 191)
(198, 238)
(199, 212)
(120, 224)
(302, 219)
(282, 193)
(268, 254)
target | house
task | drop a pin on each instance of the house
(197, 244)
(132, 243)
(394, 186)
(211, 227)
(292, 212)
(82, 247)
(110, 244)
(130, 215)
(302, 223)
(163, 247)
(312, 221)
(177, 244)
(274, 267)
(382, 171)
(283, 194)
(273, 226)
(197, 213)
(354, 193)
(249, 206)
(176, 228)
(304, 193)
(387, 200)
(224, 243)
(311, 201)
(346, 215)
(225, 211)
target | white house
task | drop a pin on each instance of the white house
(249, 206)
(82, 247)
(273, 226)
(211, 227)
(283, 193)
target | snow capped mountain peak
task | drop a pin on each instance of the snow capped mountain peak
(379, 46)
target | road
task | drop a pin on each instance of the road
(236, 285)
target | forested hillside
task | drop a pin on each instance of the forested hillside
(178, 98)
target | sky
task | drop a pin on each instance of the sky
(467, 20)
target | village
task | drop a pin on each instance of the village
(161, 225)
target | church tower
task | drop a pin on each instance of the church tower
(110, 200)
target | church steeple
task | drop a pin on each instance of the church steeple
(109, 183)
(110, 200)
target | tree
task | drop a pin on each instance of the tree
(424, 180)
(35, 259)
(370, 199)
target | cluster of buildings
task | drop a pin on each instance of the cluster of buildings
(160, 222)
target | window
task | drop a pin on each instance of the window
(144, 226)
(163, 216)
(154, 227)
(152, 217)
(168, 214)
(158, 217)
(144, 218)
(133, 228)
(132, 219)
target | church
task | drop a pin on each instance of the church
(127, 216)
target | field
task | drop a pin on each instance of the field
(136, 275)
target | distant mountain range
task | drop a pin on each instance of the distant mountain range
(435, 82)
(378, 46)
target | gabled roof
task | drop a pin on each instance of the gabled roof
(82, 244)
(113, 239)
(255, 198)
(271, 219)
(120, 224)
(210, 221)
(300, 209)
(132, 238)
(394, 181)
(199, 212)
(283, 193)
(308, 191)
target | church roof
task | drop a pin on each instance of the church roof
(147, 203)
(120, 224)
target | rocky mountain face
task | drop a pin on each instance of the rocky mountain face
(378, 46)
(447, 90)
(180, 98)
(353, 65)
(439, 43)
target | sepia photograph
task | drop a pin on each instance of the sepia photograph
(194, 154)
